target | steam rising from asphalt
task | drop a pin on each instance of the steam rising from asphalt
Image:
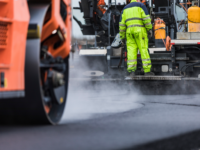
(87, 101)
(90, 103)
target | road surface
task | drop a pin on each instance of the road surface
(114, 120)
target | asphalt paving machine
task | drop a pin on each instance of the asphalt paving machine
(174, 48)
(35, 38)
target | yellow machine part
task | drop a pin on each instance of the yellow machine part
(194, 19)
(159, 29)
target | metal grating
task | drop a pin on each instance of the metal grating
(3, 33)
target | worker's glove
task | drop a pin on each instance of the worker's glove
(150, 33)
(123, 42)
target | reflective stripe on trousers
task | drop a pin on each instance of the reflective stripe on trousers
(135, 60)
(130, 66)
(136, 25)
(146, 64)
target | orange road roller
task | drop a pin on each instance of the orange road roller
(35, 38)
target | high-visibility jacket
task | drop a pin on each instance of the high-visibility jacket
(134, 14)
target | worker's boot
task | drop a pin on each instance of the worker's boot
(149, 74)
(132, 74)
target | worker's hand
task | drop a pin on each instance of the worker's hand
(150, 33)
(123, 42)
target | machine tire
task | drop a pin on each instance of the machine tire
(31, 108)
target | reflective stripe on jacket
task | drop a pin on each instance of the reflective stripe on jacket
(134, 14)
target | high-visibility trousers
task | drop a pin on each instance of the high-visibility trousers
(137, 38)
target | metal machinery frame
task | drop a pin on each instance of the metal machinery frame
(181, 63)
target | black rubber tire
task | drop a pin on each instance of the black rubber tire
(30, 110)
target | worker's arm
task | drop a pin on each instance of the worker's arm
(146, 18)
(122, 27)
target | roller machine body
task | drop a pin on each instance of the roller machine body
(35, 39)
(14, 20)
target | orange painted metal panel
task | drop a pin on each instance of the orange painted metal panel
(56, 23)
(14, 20)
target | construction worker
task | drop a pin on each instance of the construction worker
(135, 26)
(100, 8)
(101, 4)
(100, 11)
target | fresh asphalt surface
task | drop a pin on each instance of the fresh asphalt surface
(114, 120)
